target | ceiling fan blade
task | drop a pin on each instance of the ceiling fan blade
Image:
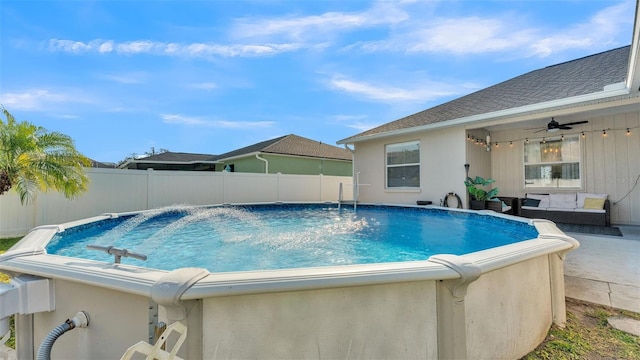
(564, 127)
(575, 123)
(537, 131)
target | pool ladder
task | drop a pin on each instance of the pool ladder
(356, 193)
(117, 253)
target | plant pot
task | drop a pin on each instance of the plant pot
(478, 204)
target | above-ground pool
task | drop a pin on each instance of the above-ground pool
(294, 281)
(266, 237)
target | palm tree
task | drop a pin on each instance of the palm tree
(32, 159)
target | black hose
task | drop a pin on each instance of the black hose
(44, 352)
(446, 200)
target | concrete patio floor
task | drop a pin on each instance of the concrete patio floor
(605, 269)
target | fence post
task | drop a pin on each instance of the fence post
(278, 182)
(149, 192)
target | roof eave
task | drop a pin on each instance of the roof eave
(124, 166)
(633, 75)
(610, 91)
(279, 154)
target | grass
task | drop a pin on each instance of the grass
(587, 335)
(5, 244)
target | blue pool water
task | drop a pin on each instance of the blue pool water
(264, 237)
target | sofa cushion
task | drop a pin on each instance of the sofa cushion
(593, 203)
(562, 201)
(544, 199)
(534, 208)
(582, 196)
(561, 209)
(597, 211)
(531, 202)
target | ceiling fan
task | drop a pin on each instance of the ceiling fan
(554, 126)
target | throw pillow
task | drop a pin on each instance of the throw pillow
(531, 202)
(582, 196)
(593, 203)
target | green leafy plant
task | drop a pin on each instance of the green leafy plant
(33, 159)
(474, 189)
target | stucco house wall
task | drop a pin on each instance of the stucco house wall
(442, 158)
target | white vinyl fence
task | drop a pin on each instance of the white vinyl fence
(115, 190)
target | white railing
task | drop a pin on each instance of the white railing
(356, 193)
(115, 190)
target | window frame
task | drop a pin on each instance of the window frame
(579, 161)
(387, 166)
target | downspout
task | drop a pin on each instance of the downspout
(266, 163)
(353, 166)
(353, 158)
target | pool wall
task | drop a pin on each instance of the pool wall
(493, 304)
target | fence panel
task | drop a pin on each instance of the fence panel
(115, 190)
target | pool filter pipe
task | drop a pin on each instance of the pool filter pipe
(80, 320)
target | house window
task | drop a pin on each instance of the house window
(403, 164)
(552, 163)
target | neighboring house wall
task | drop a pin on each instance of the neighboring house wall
(442, 159)
(609, 165)
(291, 165)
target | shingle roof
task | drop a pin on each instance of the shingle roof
(178, 157)
(582, 76)
(292, 145)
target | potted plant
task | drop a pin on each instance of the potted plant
(479, 196)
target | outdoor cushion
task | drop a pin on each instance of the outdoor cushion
(582, 196)
(593, 203)
(534, 208)
(562, 201)
(599, 211)
(544, 199)
(531, 202)
(561, 209)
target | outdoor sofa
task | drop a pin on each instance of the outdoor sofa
(568, 208)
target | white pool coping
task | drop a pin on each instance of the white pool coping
(29, 256)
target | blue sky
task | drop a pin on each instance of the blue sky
(120, 77)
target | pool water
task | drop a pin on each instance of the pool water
(262, 237)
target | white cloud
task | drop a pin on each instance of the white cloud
(126, 78)
(358, 122)
(196, 121)
(297, 27)
(498, 33)
(171, 49)
(66, 116)
(363, 126)
(349, 117)
(598, 30)
(388, 93)
(35, 99)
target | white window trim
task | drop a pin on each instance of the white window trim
(405, 189)
(551, 188)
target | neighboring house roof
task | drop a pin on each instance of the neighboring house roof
(587, 75)
(292, 145)
(99, 164)
(176, 158)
